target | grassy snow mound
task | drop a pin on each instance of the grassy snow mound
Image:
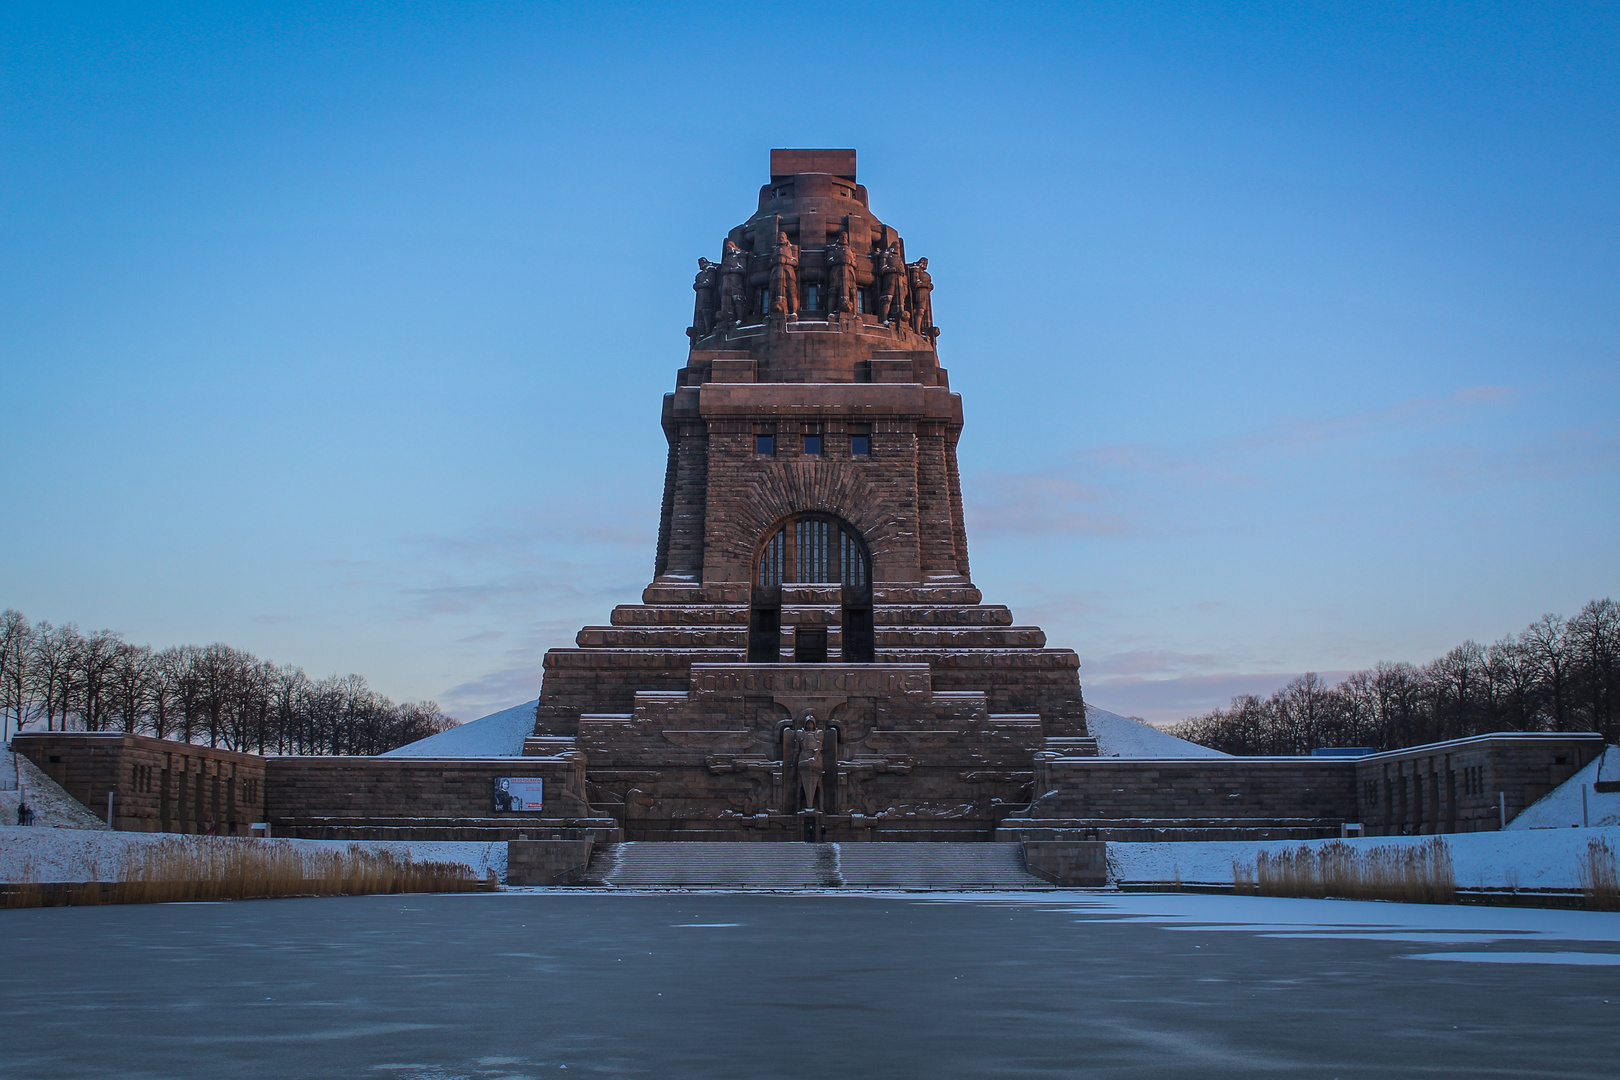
(1560, 808)
(1120, 736)
(53, 807)
(496, 735)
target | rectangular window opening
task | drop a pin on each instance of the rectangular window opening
(765, 443)
(860, 440)
(810, 645)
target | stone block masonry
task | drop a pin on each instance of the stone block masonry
(156, 785)
(164, 786)
(1465, 785)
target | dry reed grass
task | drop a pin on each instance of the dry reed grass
(1419, 873)
(221, 868)
(1599, 882)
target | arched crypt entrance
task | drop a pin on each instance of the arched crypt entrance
(815, 550)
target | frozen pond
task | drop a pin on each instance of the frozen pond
(826, 986)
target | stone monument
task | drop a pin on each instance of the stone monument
(811, 659)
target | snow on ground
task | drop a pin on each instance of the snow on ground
(52, 806)
(1543, 859)
(496, 735)
(1561, 807)
(36, 854)
(1120, 736)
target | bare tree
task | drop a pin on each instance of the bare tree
(17, 698)
(132, 680)
(1594, 637)
(51, 669)
(227, 696)
(1547, 641)
(166, 675)
(92, 667)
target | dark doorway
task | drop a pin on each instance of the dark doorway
(859, 640)
(765, 635)
(810, 645)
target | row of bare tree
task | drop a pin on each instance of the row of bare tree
(1557, 675)
(56, 678)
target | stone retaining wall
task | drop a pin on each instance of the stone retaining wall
(157, 785)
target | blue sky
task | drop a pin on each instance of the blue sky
(1287, 333)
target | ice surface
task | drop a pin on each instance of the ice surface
(1120, 736)
(499, 734)
(1561, 807)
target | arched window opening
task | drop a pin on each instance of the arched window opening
(812, 549)
(770, 562)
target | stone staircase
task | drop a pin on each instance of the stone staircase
(787, 866)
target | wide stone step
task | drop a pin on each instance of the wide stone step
(668, 637)
(960, 637)
(680, 615)
(941, 615)
(790, 865)
(935, 866)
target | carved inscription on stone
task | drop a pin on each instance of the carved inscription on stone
(832, 680)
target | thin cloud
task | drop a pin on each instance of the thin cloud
(1041, 503)
(1559, 455)
(1295, 435)
(1130, 489)
(493, 691)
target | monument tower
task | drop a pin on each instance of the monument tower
(811, 659)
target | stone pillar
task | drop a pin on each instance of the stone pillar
(958, 528)
(936, 540)
(689, 446)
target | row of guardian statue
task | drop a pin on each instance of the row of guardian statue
(904, 299)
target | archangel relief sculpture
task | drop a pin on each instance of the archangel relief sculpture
(806, 763)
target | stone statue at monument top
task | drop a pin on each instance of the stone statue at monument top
(785, 277)
(922, 303)
(733, 284)
(842, 284)
(706, 285)
(892, 304)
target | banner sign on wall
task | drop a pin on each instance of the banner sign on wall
(523, 794)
